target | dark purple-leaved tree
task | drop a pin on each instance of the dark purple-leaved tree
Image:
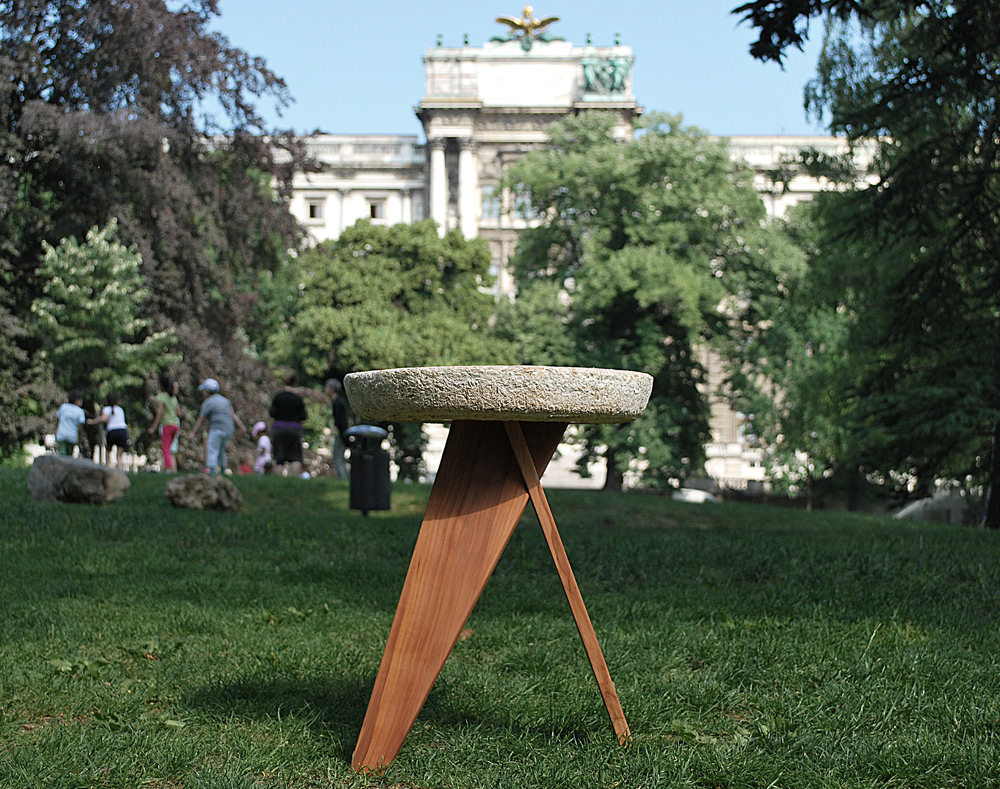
(137, 111)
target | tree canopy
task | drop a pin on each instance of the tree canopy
(87, 318)
(641, 249)
(380, 297)
(102, 116)
(917, 255)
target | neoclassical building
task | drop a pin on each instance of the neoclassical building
(483, 108)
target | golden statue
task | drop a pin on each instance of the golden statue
(527, 29)
(527, 24)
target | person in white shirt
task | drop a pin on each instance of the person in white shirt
(71, 418)
(113, 417)
(263, 463)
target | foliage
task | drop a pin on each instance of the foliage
(536, 324)
(142, 644)
(642, 251)
(382, 297)
(27, 392)
(785, 23)
(87, 318)
(917, 254)
(102, 116)
(789, 363)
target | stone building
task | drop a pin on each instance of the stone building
(484, 107)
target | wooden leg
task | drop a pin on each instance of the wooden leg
(478, 497)
(570, 587)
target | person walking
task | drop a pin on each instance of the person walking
(338, 403)
(167, 419)
(113, 418)
(69, 429)
(218, 412)
(288, 413)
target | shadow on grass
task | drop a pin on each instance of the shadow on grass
(444, 710)
(330, 707)
(333, 710)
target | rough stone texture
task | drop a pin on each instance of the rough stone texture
(499, 393)
(76, 480)
(204, 492)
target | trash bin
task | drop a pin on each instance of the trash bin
(369, 468)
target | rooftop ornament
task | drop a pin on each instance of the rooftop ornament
(528, 29)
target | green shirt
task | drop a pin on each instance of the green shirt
(169, 408)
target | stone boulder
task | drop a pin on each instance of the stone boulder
(76, 480)
(204, 492)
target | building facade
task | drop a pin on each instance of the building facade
(485, 107)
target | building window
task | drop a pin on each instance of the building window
(490, 202)
(376, 209)
(314, 210)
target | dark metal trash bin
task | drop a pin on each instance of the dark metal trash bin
(369, 468)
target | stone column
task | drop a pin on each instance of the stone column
(468, 190)
(438, 186)
(345, 195)
(407, 195)
(336, 220)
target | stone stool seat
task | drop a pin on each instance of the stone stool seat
(506, 422)
(499, 393)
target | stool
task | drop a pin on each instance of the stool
(506, 422)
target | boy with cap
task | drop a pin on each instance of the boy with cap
(218, 412)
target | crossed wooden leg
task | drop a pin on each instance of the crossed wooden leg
(488, 472)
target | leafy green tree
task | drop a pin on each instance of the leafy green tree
(382, 297)
(88, 322)
(536, 324)
(918, 252)
(642, 249)
(787, 362)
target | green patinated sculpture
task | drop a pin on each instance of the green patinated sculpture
(605, 75)
(527, 29)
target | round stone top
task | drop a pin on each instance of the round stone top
(498, 394)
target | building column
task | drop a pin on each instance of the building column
(468, 190)
(336, 218)
(342, 209)
(438, 186)
(407, 206)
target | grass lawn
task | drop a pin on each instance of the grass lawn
(142, 646)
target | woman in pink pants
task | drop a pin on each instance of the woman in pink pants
(168, 418)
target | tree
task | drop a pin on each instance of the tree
(919, 250)
(27, 392)
(791, 368)
(382, 297)
(88, 322)
(102, 116)
(642, 248)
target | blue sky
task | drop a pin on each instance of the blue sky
(357, 67)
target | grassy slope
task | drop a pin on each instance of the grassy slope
(751, 646)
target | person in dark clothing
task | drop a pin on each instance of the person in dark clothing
(340, 424)
(288, 413)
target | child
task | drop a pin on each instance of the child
(113, 416)
(70, 428)
(218, 412)
(263, 448)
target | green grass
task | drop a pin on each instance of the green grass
(141, 646)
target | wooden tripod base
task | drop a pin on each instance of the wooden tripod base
(488, 472)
